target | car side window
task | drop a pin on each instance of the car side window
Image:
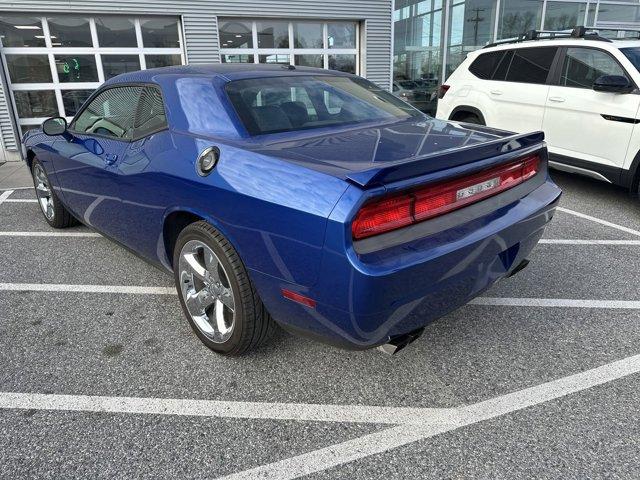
(531, 65)
(110, 114)
(150, 116)
(582, 66)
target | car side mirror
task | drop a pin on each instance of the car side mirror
(613, 84)
(54, 126)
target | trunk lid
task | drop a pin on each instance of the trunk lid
(384, 153)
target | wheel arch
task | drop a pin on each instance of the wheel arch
(176, 220)
(29, 158)
(631, 178)
(466, 109)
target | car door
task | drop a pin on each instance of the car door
(581, 123)
(519, 89)
(142, 175)
(86, 165)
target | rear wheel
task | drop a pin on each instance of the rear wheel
(468, 118)
(216, 294)
(54, 212)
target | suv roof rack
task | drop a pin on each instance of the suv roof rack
(588, 33)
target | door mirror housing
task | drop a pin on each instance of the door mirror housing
(54, 126)
(613, 84)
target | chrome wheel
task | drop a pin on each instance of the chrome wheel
(43, 192)
(206, 291)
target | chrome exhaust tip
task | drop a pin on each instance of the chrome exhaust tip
(395, 344)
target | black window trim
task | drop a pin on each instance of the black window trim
(555, 81)
(100, 90)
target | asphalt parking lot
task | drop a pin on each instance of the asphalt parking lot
(101, 377)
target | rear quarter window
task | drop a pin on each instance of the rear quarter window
(485, 65)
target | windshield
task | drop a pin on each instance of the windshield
(633, 54)
(278, 104)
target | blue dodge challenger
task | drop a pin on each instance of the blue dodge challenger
(304, 197)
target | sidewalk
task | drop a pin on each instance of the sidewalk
(13, 175)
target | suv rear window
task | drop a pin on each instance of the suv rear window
(531, 65)
(278, 104)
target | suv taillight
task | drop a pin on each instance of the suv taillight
(442, 90)
(392, 212)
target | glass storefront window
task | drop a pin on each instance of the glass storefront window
(518, 16)
(160, 33)
(312, 60)
(235, 34)
(418, 52)
(73, 100)
(29, 68)
(69, 31)
(36, 103)
(470, 28)
(116, 32)
(237, 58)
(341, 35)
(343, 63)
(21, 31)
(273, 34)
(307, 35)
(113, 65)
(563, 15)
(275, 58)
(76, 68)
(157, 61)
(618, 13)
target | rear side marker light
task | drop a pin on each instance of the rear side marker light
(296, 297)
(390, 213)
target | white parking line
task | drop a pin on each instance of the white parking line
(215, 408)
(57, 287)
(16, 188)
(5, 195)
(556, 302)
(21, 200)
(570, 241)
(49, 234)
(388, 439)
(600, 221)
(414, 424)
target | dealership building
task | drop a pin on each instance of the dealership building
(55, 53)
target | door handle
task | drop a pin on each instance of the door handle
(110, 158)
(496, 92)
(556, 99)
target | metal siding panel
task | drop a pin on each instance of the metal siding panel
(199, 18)
(6, 127)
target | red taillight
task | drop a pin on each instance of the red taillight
(391, 213)
(442, 90)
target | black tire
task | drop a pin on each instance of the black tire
(57, 216)
(470, 118)
(252, 324)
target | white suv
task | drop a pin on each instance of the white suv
(581, 89)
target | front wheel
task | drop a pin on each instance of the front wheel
(216, 294)
(54, 212)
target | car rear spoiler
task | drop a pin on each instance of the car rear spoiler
(506, 147)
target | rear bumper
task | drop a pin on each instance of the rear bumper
(365, 297)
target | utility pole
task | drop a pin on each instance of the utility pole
(476, 21)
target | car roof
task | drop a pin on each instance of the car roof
(226, 71)
(613, 44)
